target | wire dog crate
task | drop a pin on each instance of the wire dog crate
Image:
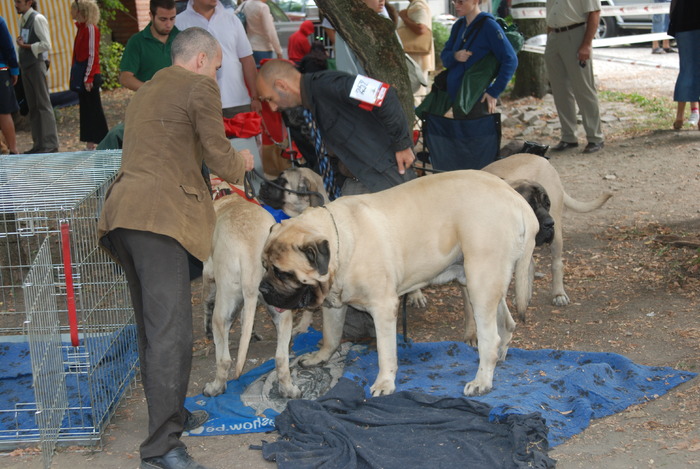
(68, 348)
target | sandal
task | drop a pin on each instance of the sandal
(678, 124)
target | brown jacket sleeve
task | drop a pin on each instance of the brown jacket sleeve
(205, 110)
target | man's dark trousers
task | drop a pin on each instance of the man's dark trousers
(157, 269)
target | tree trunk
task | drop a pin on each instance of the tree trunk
(372, 38)
(531, 77)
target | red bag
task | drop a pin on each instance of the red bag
(243, 125)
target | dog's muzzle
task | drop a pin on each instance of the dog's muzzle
(297, 299)
(271, 194)
(546, 233)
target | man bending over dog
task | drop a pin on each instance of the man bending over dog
(158, 221)
(372, 142)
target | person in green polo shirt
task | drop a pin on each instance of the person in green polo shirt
(148, 50)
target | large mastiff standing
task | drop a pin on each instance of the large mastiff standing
(368, 250)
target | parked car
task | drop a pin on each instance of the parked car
(299, 10)
(611, 26)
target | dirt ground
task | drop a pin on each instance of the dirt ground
(632, 271)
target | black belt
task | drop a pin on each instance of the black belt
(567, 28)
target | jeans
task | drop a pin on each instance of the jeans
(259, 55)
(688, 82)
(659, 23)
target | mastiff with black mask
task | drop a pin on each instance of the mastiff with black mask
(294, 190)
(537, 169)
(367, 250)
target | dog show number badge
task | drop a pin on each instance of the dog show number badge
(369, 92)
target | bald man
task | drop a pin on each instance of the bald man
(374, 145)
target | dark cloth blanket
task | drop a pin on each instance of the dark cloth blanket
(343, 429)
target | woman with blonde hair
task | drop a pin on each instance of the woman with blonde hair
(85, 72)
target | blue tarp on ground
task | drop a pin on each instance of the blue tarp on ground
(567, 388)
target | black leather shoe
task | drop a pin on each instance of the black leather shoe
(31, 151)
(195, 419)
(593, 147)
(561, 146)
(50, 150)
(176, 458)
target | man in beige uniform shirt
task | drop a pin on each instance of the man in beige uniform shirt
(571, 26)
(158, 220)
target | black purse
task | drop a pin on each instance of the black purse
(77, 75)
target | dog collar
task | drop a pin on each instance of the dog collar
(337, 235)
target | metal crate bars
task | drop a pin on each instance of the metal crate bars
(49, 207)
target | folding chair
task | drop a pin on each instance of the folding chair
(454, 144)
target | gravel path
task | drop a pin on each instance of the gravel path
(651, 81)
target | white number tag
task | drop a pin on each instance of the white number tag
(369, 91)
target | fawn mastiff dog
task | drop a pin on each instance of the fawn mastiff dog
(367, 250)
(231, 279)
(538, 169)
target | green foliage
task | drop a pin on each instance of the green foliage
(440, 36)
(110, 58)
(110, 52)
(108, 11)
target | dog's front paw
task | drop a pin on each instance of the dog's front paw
(214, 389)
(382, 388)
(477, 388)
(289, 391)
(470, 339)
(417, 299)
(561, 299)
(312, 359)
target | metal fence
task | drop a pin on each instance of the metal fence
(68, 348)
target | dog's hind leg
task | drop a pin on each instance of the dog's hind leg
(559, 296)
(250, 303)
(224, 312)
(470, 325)
(487, 288)
(209, 295)
(307, 317)
(506, 326)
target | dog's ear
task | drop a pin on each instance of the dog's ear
(318, 255)
(544, 198)
(315, 198)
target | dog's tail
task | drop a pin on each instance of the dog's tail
(524, 271)
(583, 207)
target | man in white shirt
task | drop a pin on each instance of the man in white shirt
(32, 44)
(236, 77)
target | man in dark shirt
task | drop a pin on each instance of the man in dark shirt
(373, 142)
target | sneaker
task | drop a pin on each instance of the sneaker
(694, 118)
(195, 419)
(658, 50)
